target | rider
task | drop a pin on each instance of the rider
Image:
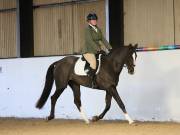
(94, 42)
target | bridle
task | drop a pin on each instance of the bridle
(134, 59)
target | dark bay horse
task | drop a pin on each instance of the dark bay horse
(62, 72)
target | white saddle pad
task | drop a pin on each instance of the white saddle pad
(80, 64)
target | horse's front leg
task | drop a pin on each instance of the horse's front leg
(117, 98)
(107, 107)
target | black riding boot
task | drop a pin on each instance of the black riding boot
(92, 75)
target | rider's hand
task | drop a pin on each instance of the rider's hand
(107, 51)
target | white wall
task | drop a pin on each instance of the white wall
(152, 93)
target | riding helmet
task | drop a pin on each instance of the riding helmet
(92, 16)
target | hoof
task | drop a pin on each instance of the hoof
(49, 118)
(95, 118)
(87, 122)
(133, 123)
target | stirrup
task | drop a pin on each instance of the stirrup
(93, 84)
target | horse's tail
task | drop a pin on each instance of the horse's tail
(47, 88)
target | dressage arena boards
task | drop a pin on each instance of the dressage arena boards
(76, 127)
(151, 94)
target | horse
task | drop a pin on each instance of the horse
(62, 72)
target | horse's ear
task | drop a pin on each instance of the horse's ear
(130, 45)
(136, 46)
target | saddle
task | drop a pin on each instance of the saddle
(82, 66)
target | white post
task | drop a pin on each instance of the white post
(107, 19)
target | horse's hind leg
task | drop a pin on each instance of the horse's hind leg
(54, 98)
(77, 99)
(108, 105)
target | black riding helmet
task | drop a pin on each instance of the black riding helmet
(92, 16)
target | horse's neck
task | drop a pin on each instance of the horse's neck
(118, 58)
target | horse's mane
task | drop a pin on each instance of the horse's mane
(117, 50)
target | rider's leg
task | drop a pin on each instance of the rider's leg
(92, 61)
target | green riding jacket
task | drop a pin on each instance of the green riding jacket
(93, 41)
